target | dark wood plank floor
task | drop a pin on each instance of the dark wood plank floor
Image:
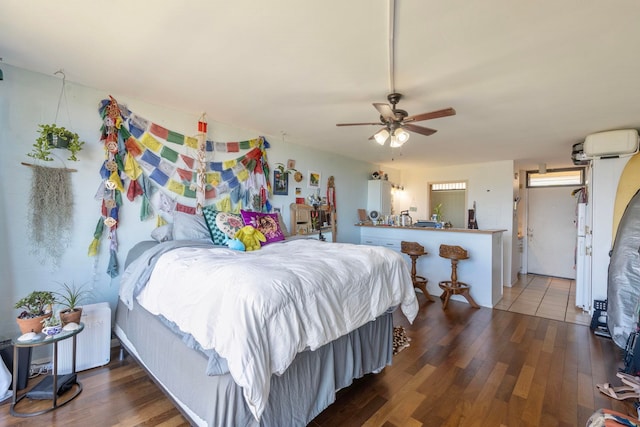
(464, 367)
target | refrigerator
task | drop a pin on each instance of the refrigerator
(583, 258)
(594, 219)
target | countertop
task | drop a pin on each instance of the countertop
(449, 230)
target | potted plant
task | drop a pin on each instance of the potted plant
(437, 213)
(35, 307)
(51, 325)
(70, 298)
(53, 136)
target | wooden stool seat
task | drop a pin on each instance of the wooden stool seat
(453, 287)
(415, 251)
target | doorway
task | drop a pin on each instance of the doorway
(551, 232)
(450, 199)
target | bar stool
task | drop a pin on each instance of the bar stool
(415, 251)
(453, 287)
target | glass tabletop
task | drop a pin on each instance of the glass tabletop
(43, 339)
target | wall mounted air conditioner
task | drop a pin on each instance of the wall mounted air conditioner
(614, 143)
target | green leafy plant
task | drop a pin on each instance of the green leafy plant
(438, 212)
(51, 321)
(53, 136)
(37, 303)
(71, 296)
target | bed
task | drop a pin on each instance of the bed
(264, 337)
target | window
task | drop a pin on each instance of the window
(444, 186)
(556, 178)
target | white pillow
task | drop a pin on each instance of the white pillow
(189, 227)
(162, 233)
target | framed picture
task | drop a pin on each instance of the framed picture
(291, 164)
(280, 183)
(314, 179)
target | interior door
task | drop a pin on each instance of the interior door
(551, 232)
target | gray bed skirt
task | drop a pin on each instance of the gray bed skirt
(305, 389)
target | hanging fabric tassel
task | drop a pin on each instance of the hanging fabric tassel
(224, 205)
(201, 178)
(115, 179)
(145, 209)
(134, 190)
(131, 168)
(160, 221)
(112, 269)
(93, 247)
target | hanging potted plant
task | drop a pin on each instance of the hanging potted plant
(36, 307)
(53, 136)
(70, 298)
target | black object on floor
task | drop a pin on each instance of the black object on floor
(44, 389)
(24, 362)
(599, 319)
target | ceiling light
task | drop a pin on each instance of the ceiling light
(402, 135)
(398, 138)
(381, 136)
(395, 142)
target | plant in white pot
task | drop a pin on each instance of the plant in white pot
(35, 307)
(69, 298)
(51, 325)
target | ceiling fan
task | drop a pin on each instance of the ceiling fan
(397, 122)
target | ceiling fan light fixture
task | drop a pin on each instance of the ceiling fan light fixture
(381, 136)
(402, 135)
(396, 142)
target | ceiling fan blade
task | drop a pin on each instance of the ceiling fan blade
(385, 110)
(419, 129)
(432, 115)
(358, 124)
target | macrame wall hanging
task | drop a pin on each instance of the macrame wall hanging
(51, 213)
(161, 165)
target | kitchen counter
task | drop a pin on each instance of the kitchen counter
(482, 271)
(454, 230)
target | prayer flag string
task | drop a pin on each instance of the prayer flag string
(142, 157)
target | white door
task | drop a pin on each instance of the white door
(551, 232)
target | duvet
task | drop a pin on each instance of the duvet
(258, 309)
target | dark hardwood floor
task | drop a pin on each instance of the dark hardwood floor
(464, 367)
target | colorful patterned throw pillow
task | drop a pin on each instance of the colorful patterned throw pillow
(229, 223)
(267, 223)
(218, 236)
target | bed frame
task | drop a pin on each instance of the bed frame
(304, 390)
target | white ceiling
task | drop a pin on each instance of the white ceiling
(527, 78)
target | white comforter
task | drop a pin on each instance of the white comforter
(259, 309)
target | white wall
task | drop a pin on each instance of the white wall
(28, 99)
(490, 185)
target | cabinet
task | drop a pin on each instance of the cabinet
(379, 197)
(366, 239)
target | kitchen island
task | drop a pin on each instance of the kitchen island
(482, 271)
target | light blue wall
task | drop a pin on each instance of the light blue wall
(28, 99)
